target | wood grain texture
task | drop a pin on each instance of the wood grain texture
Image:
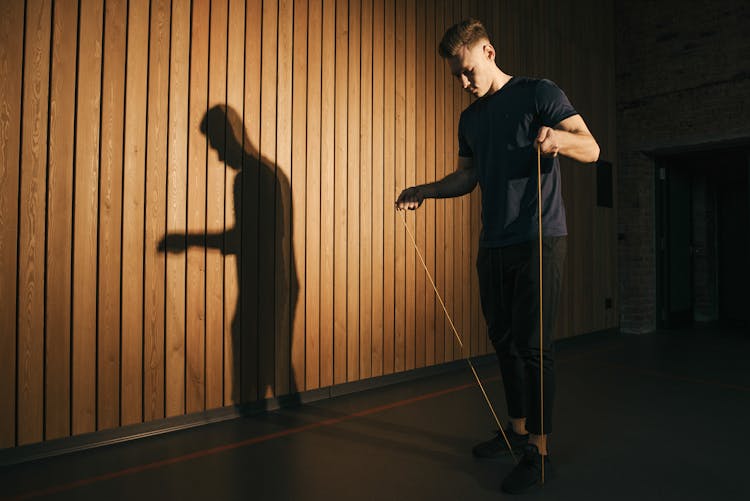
(85, 218)
(379, 202)
(420, 111)
(60, 220)
(409, 179)
(110, 214)
(31, 228)
(389, 186)
(353, 203)
(11, 81)
(340, 194)
(298, 290)
(399, 147)
(177, 197)
(365, 228)
(156, 208)
(133, 206)
(327, 185)
(313, 337)
(195, 295)
(431, 60)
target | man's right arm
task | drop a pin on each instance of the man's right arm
(456, 184)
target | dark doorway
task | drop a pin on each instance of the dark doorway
(703, 238)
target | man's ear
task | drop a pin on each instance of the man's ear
(489, 51)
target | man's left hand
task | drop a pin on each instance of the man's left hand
(547, 140)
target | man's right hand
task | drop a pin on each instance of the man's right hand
(410, 198)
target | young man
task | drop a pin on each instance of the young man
(498, 135)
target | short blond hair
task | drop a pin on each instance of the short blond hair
(466, 33)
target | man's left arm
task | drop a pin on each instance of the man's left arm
(570, 138)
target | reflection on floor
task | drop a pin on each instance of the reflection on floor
(655, 417)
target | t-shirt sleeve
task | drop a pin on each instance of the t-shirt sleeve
(464, 150)
(552, 104)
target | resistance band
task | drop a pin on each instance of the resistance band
(541, 317)
(458, 338)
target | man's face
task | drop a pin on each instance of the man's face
(473, 67)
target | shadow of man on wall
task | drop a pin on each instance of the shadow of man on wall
(261, 243)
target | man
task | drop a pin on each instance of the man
(498, 135)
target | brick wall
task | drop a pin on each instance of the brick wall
(683, 80)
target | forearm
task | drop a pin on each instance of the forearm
(578, 146)
(455, 184)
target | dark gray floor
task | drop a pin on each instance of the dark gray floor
(655, 417)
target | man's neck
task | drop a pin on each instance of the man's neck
(499, 81)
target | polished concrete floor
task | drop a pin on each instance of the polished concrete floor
(662, 416)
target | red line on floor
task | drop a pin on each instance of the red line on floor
(235, 445)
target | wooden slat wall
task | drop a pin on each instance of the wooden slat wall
(196, 197)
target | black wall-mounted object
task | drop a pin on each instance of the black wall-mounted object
(604, 188)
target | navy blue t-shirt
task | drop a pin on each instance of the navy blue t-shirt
(497, 131)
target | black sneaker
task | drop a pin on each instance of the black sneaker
(497, 446)
(527, 473)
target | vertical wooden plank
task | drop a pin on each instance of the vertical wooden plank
(298, 290)
(409, 180)
(400, 183)
(110, 215)
(313, 285)
(285, 275)
(440, 92)
(327, 189)
(177, 196)
(195, 295)
(60, 220)
(11, 80)
(250, 193)
(389, 188)
(340, 195)
(133, 204)
(421, 235)
(31, 235)
(366, 236)
(379, 202)
(233, 202)
(430, 175)
(156, 191)
(267, 198)
(85, 218)
(215, 187)
(353, 202)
